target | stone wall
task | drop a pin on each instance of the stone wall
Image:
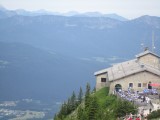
(100, 84)
(151, 60)
(143, 77)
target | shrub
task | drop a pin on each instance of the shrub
(154, 114)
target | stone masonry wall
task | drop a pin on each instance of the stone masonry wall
(143, 77)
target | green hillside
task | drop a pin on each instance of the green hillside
(99, 106)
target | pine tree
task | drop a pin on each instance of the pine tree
(93, 108)
(69, 106)
(94, 90)
(63, 111)
(55, 117)
(87, 96)
(73, 101)
(81, 114)
(88, 89)
(80, 96)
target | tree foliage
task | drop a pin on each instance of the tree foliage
(80, 96)
(87, 96)
(124, 107)
(95, 106)
(69, 106)
(81, 114)
(154, 115)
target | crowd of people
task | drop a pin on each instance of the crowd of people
(132, 117)
(140, 98)
(137, 96)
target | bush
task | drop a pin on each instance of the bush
(110, 100)
(124, 107)
(154, 115)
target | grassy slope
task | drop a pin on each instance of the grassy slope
(105, 102)
(102, 95)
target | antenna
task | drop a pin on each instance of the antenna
(153, 46)
(142, 46)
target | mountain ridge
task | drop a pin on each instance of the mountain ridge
(69, 14)
(75, 47)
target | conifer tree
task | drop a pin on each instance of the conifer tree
(94, 90)
(63, 111)
(69, 106)
(81, 114)
(55, 117)
(73, 101)
(80, 96)
(87, 96)
(93, 108)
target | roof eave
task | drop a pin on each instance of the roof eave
(145, 53)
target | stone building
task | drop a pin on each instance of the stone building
(137, 74)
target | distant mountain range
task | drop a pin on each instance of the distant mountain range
(8, 13)
(48, 56)
(4, 13)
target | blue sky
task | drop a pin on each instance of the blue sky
(126, 8)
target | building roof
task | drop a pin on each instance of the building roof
(145, 53)
(127, 68)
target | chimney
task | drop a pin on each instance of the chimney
(146, 48)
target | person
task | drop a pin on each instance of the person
(130, 118)
(141, 98)
(144, 98)
(147, 100)
(145, 117)
(137, 118)
(150, 110)
(130, 115)
(125, 118)
(119, 90)
(142, 112)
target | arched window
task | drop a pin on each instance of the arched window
(118, 87)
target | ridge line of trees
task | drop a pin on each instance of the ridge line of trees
(93, 106)
(74, 102)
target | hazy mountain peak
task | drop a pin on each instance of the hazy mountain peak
(98, 14)
(2, 8)
(115, 16)
(147, 17)
(4, 13)
(70, 13)
(153, 21)
(93, 14)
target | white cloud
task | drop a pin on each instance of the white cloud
(3, 62)
(85, 59)
(111, 60)
(100, 59)
(114, 58)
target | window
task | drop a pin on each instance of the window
(144, 84)
(139, 84)
(130, 84)
(149, 86)
(103, 79)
